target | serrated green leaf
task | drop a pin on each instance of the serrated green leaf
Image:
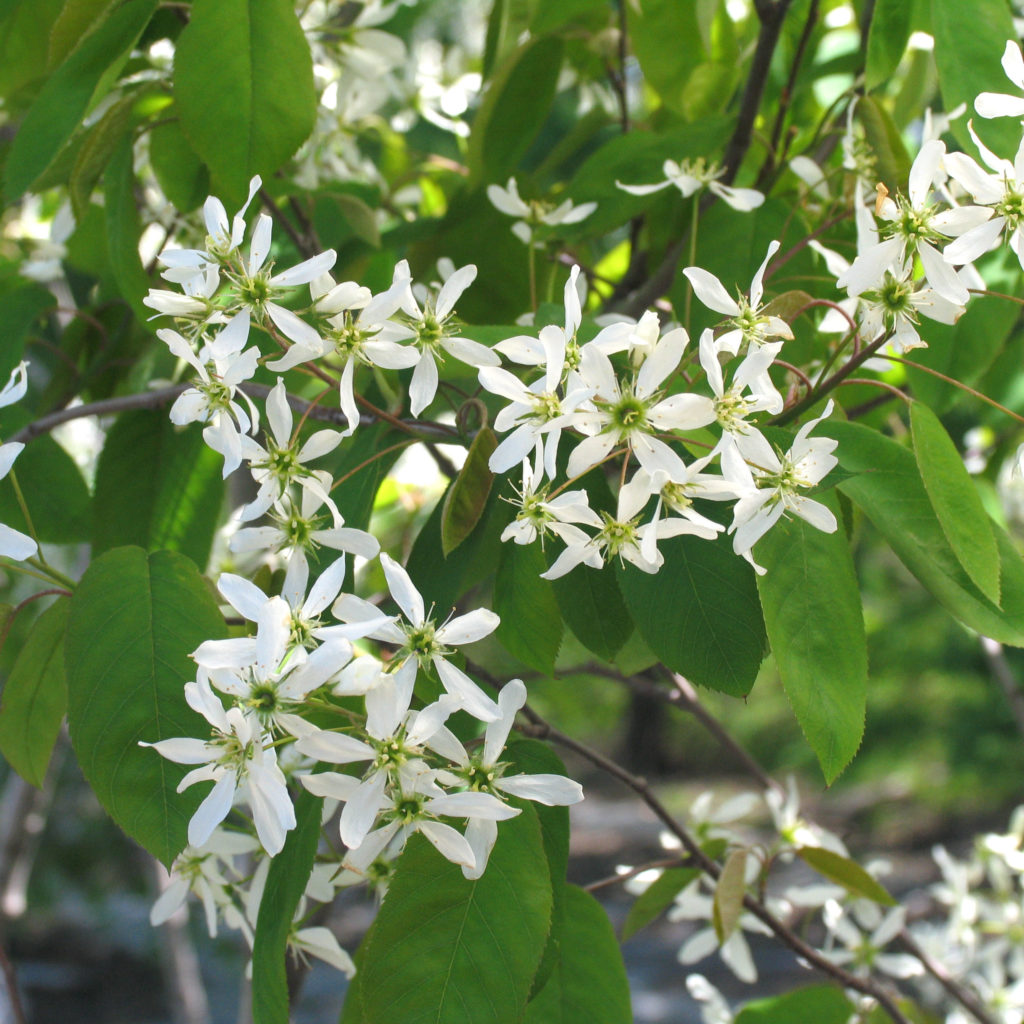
(513, 109)
(64, 99)
(821, 1004)
(466, 499)
(135, 619)
(700, 613)
(887, 39)
(969, 45)
(243, 82)
(812, 611)
(97, 148)
(447, 949)
(157, 487)
(845, 872)
(34, 697)
(531, 623)
(182, 176)
(54, 490)
(286, 882)
(888, 487)
(656, 898)
(727, 905)
(589, 982)
(956, 501)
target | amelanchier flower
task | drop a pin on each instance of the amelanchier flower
(777, 481)
(748, 324)
(536, 213)
(421, 642)
(631, 414)
(482, 772)
(430, 329)
(999, 104)
(238, 761)
(690, 175)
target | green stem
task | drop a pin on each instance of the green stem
(53, 575)
(693, 260)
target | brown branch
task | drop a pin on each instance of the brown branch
(11, 983)
(540, 729)
(963, 995)
(424, 429)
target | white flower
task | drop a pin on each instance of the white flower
(535, 213)
(283, 462)
(14, 544)
(997, 104)
(424, 644)
(863, 953)
(689, 175)
(537, 515)
(749, 324)
(632, 414)
(430, 329)
(778, 480)
(235, 757)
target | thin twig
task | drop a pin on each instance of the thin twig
(11, 982)
(423, 429)
(963, 995)
(540, 729)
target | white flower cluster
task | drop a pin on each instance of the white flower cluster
(13, 543)
(268, 697)
(633, 411)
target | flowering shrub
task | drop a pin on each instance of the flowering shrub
(275, 699)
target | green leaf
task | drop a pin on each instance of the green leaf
(534, 758)
(181, 174)
(447, 949)
(19, 310)
(531, 623)
(887, 39)
(964, 350)
(286, 882)
(25, 27)
(589, 982)
(956, 501)
(157, 487)
(513, 109)
(64, 99)
(135, 619)
(54, 491)
(592, 606)
(72, 25)
(466, 499)
(34, 697)
(97, 148)
(821, 1004)
(887, 486)
(666, 39)
(548, 17)
(969, 45)
(361, 218)
(656, 898)
(886, 142)
(243, 81)
(727, 905)
(845, 872)
(700, 613)
(812, 611)
(124, 229)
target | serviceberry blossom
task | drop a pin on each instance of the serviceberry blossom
(536, 213)
(14, 544)
(690, 175)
